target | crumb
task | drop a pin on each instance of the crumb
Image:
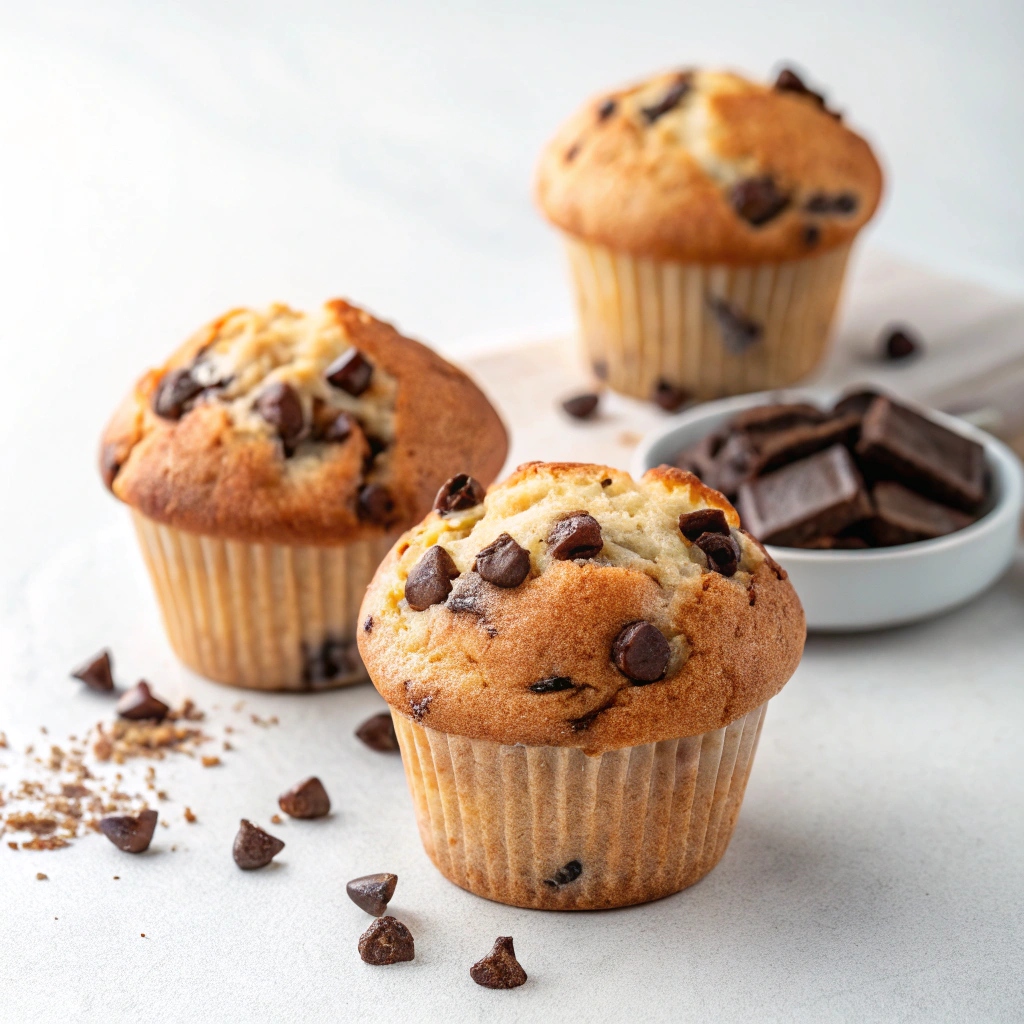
(174, 848)
(165, 823)
(40, 877)
(143, 934)
(629, 438)
(211, 761)
(13, 846)
(117, 878)
(265, 722)
(227, 746)
(276, 819)
(3, 740)
(190, 816)
(29, 749)
(238, 705)
(229, 728)
(42, 729)
(161, 794)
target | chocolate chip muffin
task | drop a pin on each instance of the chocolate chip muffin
(270, 464)
(577, 667)
(708, 221)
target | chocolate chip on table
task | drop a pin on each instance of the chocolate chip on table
(500, 968)
(331, 660)
(641, 652)
(375, 503)
(703, 520)
(739, 332)
(842, 203)
(306, 799)
(565, 874)
(131, 833)
(669, 396)
(758, 200)
(576, 535)
(582, 406)
(606, 109)
(503, 562)
(378, 733)
(97, 672)
(553, 684)
(670, 100)
(386, 941)
(176, 389)
(140, 703)
(459, 493)
(900, 343)
(351, 372)
(253, 848)
(723, 553)
(430, 580)
(279, 404)
(372, 893)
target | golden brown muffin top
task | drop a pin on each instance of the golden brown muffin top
(298, 428)
(707, 166)
(570, 608)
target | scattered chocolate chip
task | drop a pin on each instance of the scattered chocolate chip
(669, 396)
(641, 652)
(739, 332)
(572, 152)
(368, 624)
(581, 407)
(139, 702)
(332, 660)
(254, 848)
(500, 968)
(669, 101)
(386, 941)
(758, 200)
(564, 875)
(97, 673)
(576, 535)
(503, 562)
(722, 551)
(600, 368)
(375, 503)
(279, 404)
(811, 235)
(900, 343)
(430, 580)
(131, 833)
(843, 203)
(372, 893)
(458, 494)
(553, 684)
(702, 520)
(351, 372)
(378, 733)
(306, 799)
(175, 390)
(790, 81)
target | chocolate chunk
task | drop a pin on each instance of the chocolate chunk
(670, 100)
(758, 200)
(375, 504)
(469, 594)
(429, 582)
(131, 833)
(606, 109)
(723, 553)
(458, 494)
(785, 446)
(838, 542)
(576, 535)
(699, 458)
(368, 624)
(855, 403)
(110, 464)
(703, 520)
(553, 684)
(139, 702)
(378, 733)
(500, 968)
(306, 799)
(572, 152)
(386, 941)
(776, 416)
(503, 562)
(811, 234)
(736, 462)
(419, 708)
(564, 875)
(97, 673)
(174, 392)
(902, 517)
(669, 397)
(332, 660)
(581, 407)
(896, 442)
(254, 848)
(900, 343)
(789, 81)
(842, 203)
(818, 495)
(372, 893)
(351, 372)
(584, 722)
(738, 331)
(641, 652)
(279, 404)
(336, 428)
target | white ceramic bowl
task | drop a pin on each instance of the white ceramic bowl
(858, 590)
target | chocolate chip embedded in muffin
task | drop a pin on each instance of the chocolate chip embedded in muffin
(139, 703)
(430, 580)
(500, 968)
(553, 684)
(811, 234)
(174, 392)
(458, 494)
(131, 833)
(253, 848)
(306, 799)
(378, 733)
(581, 407)
(669, 396)
(565, 874)
(386, 941)
(738, 331)
(279, 404)
(702, 520)
(758, 200)
(723, 553)
(375, 504)
(372, 893)
(672, 98)
(842, 203)
(577, 535)
(351, 372)
(641, 652)
(97, 673)
(329, 424)
(789, 81)
(503, 562)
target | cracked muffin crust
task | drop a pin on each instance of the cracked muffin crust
(576, 607)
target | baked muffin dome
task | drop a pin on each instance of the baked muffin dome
(709, 167)
(576, 607)
(283, 427)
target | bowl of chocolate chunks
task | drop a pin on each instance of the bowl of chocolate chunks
(882, 511)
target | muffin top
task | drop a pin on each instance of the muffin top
(707, 166)
(576, 607)
(285, 427)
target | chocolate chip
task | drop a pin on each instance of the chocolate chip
(419, 708)
(564, 875)
(337, 429)
(811, 235)
(739, 332)
(429, 582)
(669, 101)
(306, 799)
(553, 684)
(131, 833)
(254, 848)
(790, 81)
(583, 406)
(572, 152)
(600, 368)
(722, 551)
(351, 372)
(375, 504)
(641, 652)
(758, 200)
(386, 941)
(331, 660)
(458, 494)
(368, 624)
(469, 594)
(97, 673)
(110, 464)
(279, 404)
(503, 562)
(606, 109)
(606, 482)
(500, 968)
(378, 733)
(703, 520)
(585, 721)
(900, 343)
(576, 535)
(176, 389)
(139, 703)
(670, 397)
(372, 893)
(843, 203)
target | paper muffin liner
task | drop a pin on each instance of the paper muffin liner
(556, 829)
(263, 616)
(643, 320)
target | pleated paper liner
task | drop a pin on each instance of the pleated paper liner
(551, 828)
(262, 616)
(646, 320)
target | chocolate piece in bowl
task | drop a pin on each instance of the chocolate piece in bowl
(781, 447)
(902, 517)
(856, 402)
